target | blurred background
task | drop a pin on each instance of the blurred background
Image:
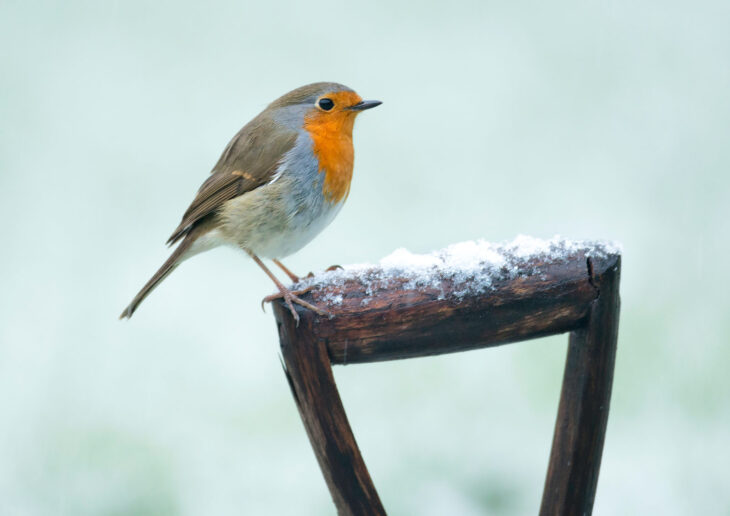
(584, 119)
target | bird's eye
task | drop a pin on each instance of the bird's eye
(326, 104)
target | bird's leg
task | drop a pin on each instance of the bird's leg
(288, 295)
(292, 276)
(296, 279)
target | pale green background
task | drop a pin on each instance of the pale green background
(586, 119)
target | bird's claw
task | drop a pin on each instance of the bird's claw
(292, 297)
(294, 293)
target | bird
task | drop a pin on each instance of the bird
(278, 183)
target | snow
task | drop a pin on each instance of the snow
(472, 267)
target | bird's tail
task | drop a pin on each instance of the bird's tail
(175, 259)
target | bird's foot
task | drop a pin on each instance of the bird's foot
(291, 297)
(280, 294)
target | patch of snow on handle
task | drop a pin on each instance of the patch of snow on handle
(471, 266)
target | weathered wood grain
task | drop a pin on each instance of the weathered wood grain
(312, 383)
(575, 459)
(549, 298)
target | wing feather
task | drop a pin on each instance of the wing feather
(248, 162)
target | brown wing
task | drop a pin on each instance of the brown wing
(248, 161)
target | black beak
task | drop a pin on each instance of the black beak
(365, 104)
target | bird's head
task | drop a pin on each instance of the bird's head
(324, 108)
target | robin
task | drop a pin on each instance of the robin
(279, 182)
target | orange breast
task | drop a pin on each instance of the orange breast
(331, 134)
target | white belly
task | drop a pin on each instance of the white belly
(277, 219)
(301, 230)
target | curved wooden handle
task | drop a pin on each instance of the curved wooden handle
(578, 294)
